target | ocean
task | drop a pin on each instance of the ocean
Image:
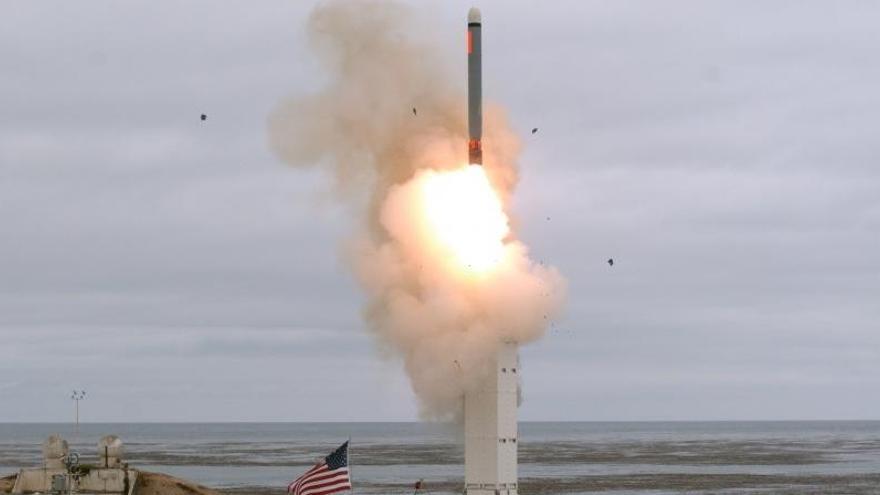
(839, 457)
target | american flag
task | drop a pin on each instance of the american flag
(328, 476)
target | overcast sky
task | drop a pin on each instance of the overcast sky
(725, 154)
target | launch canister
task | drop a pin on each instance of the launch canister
(475, 87)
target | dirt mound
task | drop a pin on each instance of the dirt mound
(6, 483)
(162, 484)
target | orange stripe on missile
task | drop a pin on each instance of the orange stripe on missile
(470, 42)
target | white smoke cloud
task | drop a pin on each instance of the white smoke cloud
(445, 321)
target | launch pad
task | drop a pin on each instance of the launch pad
(490, 428)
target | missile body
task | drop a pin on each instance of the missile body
(475, 87)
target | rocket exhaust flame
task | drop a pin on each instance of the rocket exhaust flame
(465, 217)
(447, 281)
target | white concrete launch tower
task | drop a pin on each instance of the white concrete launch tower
(490, 429)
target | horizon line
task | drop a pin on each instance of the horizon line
(867, 420)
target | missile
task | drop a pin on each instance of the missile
(475, 87)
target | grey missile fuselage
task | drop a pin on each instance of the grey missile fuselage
(475, 87)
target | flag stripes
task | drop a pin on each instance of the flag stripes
(327, 477)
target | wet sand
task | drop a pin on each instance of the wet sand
(691, 484)
(705, 453)
(571, 457)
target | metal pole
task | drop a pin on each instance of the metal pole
(348, 461)
(77, 396)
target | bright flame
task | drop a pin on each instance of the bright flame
(465, 217)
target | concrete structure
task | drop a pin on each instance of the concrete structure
(108, 475)
(55, 450)
(62, 472)
(490, 428)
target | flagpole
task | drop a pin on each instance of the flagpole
(348, 460)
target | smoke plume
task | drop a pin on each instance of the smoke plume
(447, 280)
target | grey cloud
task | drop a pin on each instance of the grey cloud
(723, 153)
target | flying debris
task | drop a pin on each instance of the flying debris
(610, 261)
(414, 111)
(204, 117)
(534, 130)
(475, 87)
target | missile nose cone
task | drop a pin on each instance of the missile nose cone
(474, 15)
